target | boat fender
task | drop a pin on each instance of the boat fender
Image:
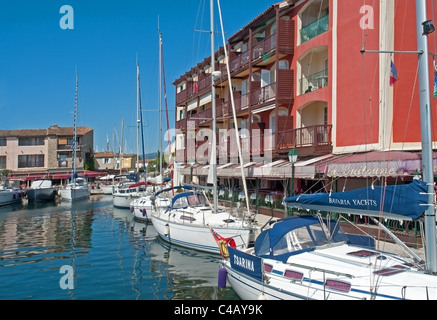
(14, 196)
(262, 296)
(222, 277)
(131, 209)
(167, 230)
(144, 212)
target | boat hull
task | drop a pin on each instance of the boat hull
(124, 200)
(71, 194)
(107, 189)
(199, 237)
(10, 197)
(328, 274)
(48, 194)
(142, 208)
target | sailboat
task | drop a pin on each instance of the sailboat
(189, 219)
(143, 206)
(310, 257)
(125, 193)
(78, 187)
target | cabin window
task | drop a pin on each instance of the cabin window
(390, 271)
(180, 203)
(268, 267)
(297, 239)
(293, 275)
(338, 285)
(362, 253)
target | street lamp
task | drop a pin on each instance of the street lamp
(292, 157)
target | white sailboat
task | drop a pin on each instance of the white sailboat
(125, 193)
(311, 258)
(190, 217)
(78, 187)
(143, 206)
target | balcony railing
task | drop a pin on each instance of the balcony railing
(312, 136)
(314, 82)
(317, 137)
(314, 29)
(264, 94)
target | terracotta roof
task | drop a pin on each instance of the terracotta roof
(259, 20)
(53, 130)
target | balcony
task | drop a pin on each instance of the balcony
(314, 82)
(181, 125)
(312, 140)
(263, 50)
(314, 29)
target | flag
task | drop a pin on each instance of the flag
(222, 242)
(393, 74)
(435, 80)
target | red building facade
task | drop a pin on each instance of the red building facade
(312, 76)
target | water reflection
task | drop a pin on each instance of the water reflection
(112, 255)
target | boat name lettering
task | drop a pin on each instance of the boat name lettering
(244, 263)
(355, 202)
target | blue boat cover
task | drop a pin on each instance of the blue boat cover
(405, 202)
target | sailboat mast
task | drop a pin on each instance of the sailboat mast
(138, 117)
(160, 107)
(425, 119)
(75, 131)
(121, 146)
(214, 129)
(231, 93)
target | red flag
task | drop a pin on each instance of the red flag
(393, 74)
(222, 242)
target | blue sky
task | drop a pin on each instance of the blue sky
(38, 60)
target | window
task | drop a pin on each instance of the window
(62, 141)
(31, 141)
(31, 161)
(180, 203)
(2, 162)
(2, 142)
(63, 161)
(338, 285)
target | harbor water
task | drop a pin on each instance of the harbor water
(89, 250)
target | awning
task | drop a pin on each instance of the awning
(91, 174)
(377, 164)
(252, 170)
(31, 177)
(264, 109)
(206, 98)
(58, 176)
(192, 105)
